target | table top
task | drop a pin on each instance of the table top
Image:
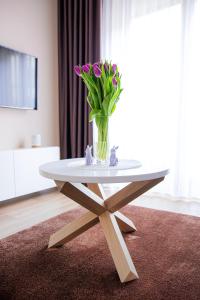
(75, 170)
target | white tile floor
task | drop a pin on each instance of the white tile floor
(187, 207)
(163, 202)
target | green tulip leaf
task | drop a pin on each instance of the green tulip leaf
(93, 113)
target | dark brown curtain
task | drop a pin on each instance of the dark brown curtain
(78, 43)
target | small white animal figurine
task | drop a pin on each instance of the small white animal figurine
(88, 156)
(113, 157)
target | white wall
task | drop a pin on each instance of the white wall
(30, 26)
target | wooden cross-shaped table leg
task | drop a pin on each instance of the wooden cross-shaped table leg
(106, 212)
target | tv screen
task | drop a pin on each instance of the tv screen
(18, 79)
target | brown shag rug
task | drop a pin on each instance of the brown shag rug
(166, 255)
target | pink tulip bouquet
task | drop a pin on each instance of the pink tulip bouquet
(103, 82)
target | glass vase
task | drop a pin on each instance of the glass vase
(101, 139)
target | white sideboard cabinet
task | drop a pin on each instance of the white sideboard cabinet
(19, 171)
(7, 181)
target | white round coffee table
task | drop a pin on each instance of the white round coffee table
(81, 183)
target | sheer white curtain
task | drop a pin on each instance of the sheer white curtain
(157, 47)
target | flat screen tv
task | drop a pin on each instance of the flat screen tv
(18, 79)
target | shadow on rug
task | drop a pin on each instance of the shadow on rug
(166, 256)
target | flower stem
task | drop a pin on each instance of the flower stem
(102, 142)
